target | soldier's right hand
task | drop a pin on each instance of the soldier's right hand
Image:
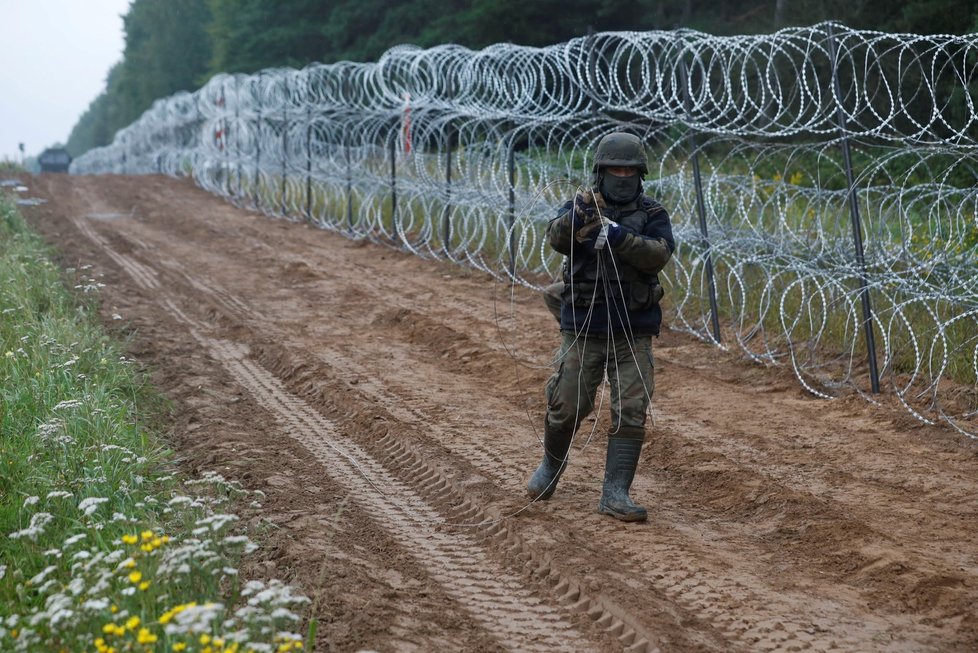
(583, 211)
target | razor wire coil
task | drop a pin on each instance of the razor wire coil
(437, 128)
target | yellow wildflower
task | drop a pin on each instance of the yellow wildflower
(143, 586)
(147, 535)
(129, 564)
(135, 577)
(147, 548)
(179, 646)
(130, 539)
(145, 637)
(132, 622)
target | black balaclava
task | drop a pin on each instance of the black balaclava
(620, 190)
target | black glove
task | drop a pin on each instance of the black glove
(582, 213)
(616, 233)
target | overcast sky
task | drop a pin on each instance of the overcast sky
(54, 57)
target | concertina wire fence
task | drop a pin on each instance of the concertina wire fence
(464, 155)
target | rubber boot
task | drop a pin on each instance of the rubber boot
(624, 450)
(544, 481)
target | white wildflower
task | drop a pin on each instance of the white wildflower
(59, 494)
(91, 504)
(67, 403)
(53, 552)
(115, 556)
(284, 613)
(251, 587)
(195, 619)
(41, 576)
(30, 501)
(76, 586)
(259, 647)
(96, 605)
(74, 539)
(217, 522)
(113, 447)
(39, 522)
(47, 586)
(3, 571)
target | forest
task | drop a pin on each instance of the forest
(174, 45)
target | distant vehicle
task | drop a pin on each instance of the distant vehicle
(54, 159)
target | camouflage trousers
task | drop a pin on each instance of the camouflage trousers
(584, 361)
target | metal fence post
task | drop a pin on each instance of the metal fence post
(224, 137)
(237, 131)
(309, 162)
(511, 240)
(446, 220)
(592, 71)
(255, 198)
(285, 144)
(857, 230)
(700, 203)
(393, 153)
(349, 184)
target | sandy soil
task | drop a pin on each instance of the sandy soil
(390, 407)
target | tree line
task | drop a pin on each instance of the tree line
(174, 45)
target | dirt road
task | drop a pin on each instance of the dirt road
(390, 408)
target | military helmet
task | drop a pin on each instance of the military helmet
(619, 149)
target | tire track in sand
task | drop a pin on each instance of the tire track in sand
(494, 597)
(675, 574)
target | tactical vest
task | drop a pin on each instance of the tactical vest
(588, 283)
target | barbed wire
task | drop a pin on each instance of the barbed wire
(452, 153)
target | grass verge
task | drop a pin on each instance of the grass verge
(103, 546)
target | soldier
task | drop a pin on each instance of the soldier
(616, 240)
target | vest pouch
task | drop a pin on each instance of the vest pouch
(642, 297)
(581, 295)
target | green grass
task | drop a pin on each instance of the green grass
(103, 547)
(10, 167)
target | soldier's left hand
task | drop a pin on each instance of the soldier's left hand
(616, 233)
